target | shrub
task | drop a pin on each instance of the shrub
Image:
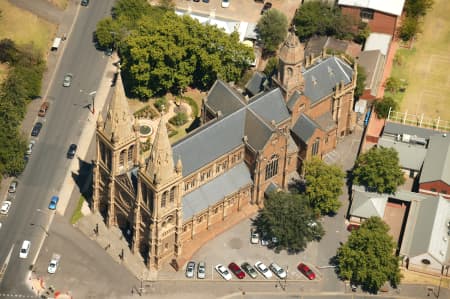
(161, 104)
(179, 119)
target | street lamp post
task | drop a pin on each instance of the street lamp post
(92, 94)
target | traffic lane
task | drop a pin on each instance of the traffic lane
(85, 268)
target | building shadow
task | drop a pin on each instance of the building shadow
(83, 179)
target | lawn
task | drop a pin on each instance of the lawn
(23, 27)
(60, 3)
(426, 67)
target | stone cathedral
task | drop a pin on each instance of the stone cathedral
(249, 143)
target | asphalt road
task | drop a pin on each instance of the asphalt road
(29, 217)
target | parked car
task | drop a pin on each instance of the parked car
(267, 6)
(306, 271)
(274, 240)
(25, 249)
(225, 3)
(72, 151)
(36, 129)
(254, 237)
(249, 270)
(351, 227)
(53, 202)
(84, 2)
(236, 270)
(190, 269)
(275, 268)
(13, 187)
(30, 147)
(4, 209)
(263, 269)
(54, 263)
(223, 271)
(109, 52)
(43, 110)
(67, 80)
(201, 270)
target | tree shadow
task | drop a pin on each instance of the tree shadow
(194, 125)
(83, 179)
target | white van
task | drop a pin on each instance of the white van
(25, 249)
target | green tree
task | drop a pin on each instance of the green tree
(383, 106)
(418, 8)
(368, 257)
(379, 170)
(289, 218)
(410, 27)
(161, 104)
(393, 84)
(323, 186)
(179, 119)
(360, 81)
(271, 67)
(272, 28)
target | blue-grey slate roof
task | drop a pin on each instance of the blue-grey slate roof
(216, 190)
(304, 128)
(256, 83)
(223, 98)
(210, 142)
(257, 131)
(293, 99)
(436, 166)
(321, 79)
(393, 128)
(270, 106)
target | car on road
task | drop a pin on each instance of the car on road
(190, 269)
(53, 202)
(13, 187)
(225, 3)
(254, 237)
(223, 271)
(4, 209)
(84, 2)
(275, 268)
(25, 249)
(36, 129)
(30, 147)
(43, 110)
(306, 271)
(67, 80)
(54, 263)
(236, 270)
(267, 6)
(72, 151)
(263, 269)
(201, 270)
(249, 270)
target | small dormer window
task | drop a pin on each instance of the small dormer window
(366, 14)
(314, 80)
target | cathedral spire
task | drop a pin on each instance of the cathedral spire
(160, 167)
(119, 121)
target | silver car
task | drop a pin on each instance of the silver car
(201, 270)
(67, 80)
(190, 269)
(275, 268)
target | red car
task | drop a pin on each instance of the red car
(351, 227)
(306, 271)
(236, 270)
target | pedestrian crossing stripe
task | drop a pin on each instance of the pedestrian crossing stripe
(16, 296)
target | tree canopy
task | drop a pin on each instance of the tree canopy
(382, 106)
(290, 219)
(379, 170)
(323, 186)
(162, 52)
(415, 11)
(368, 257)
(360, 81)
(272, 28)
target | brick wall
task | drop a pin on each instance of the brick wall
(381, 22)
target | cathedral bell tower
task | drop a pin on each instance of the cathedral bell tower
(160, 185)
(289, 77)
(117, 147)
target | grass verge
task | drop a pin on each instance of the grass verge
(77, 215)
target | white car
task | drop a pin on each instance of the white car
(225, 3)
(25, 249)
(254, 237)
(53, 265)
(263, 269)
(275, 268)
(223, 271)
(201, 270)
(30, 147)
(5, 207)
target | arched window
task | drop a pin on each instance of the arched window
(272, 167)
(172, 194)
(130, 155)
(122, 158)
(315, 147)
(164, 199)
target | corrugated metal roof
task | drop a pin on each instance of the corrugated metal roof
(321, 79)
(222, 97)
(304, 128)
(410, 156)
(394, 128)
(216, 190)
(373, 64)
(436, 166)
(210, 142)
(366, 205)
(393, 7)
(378, 41)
